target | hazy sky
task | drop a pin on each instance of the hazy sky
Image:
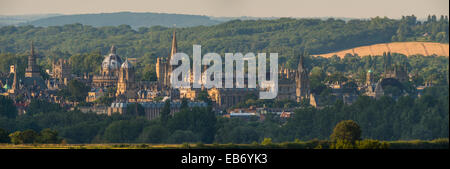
(257, 8)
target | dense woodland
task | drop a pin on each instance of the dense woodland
(405, 118)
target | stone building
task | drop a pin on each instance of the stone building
(152, 109)
(225, 98)
(126, 84)
(286, 84)
(109, 70)
(61, 70)
(163, 67)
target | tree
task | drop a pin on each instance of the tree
(4, 136)
(37, 106)
(135, 109)
(29, 136)
(77, 91)
(183, 136)
(7, 108)
(25, 137)
(48, 136)
(123, 131)
(184, 104)
(201, 121)
(165, 112)
(154, 134)
(347, 130)
(16, 137)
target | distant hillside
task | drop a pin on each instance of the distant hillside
(406, 48)
(135, 20)
(18, 19)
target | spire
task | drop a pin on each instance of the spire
(15, 85)
(113, 49)
(32, 49)
(174, 45)
(301, 64)
(32, 69)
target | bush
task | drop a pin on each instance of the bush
(266, 142)
(371, 144)
(342, 144)
(185, 146)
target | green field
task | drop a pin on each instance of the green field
(313, 144)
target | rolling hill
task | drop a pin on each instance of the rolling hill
(135, 20)
(406, 48)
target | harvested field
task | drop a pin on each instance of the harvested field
(406, 48)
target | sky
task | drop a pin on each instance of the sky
(235, 8)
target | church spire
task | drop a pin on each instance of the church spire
(301, 64)
(32, 49)
(15, 85)
(174, 45)
(32, 70)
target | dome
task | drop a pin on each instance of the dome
(112, 61)
(126, 65)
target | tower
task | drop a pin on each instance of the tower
(163, 67)
(125, 83)
(15, 85)
(302, 81)
(32, 70)
(61, 69)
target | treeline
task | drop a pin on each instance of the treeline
(286, 36)
(46, 136)
(426, 118)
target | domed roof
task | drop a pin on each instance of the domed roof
(112, 61)
(126, 65)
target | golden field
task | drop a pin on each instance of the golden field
(406, 48)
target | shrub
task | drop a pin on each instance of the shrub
(342, 144)
(371, 144)
(185, 146)
(266, 142)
